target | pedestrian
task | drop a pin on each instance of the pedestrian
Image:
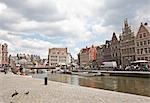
(4, 70)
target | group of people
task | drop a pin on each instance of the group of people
(20, 70)
(138, 68)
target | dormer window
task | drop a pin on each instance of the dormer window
(140, 35)
(144, 34)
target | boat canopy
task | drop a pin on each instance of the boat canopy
(140, 61)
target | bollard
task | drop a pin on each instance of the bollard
(45, 81)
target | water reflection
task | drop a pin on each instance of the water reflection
(133, 85)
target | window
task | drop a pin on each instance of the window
(145, 50)
(140, 35)
(137, 43)
(138, 58)
(141, 51)
(141, 43)
(116, 54)
(146, 58)
(138, 51)
(144, 42)
(144, 34)
(148, 42)
(142, 58)
(148, 50)
(113, 55)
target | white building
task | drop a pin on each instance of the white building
(57, 56)
(69, 59)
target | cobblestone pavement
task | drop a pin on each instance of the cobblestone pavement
(56, 92)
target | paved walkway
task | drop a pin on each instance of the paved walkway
(56, 92)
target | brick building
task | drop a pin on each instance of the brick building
(99, 55)
(106, 51)
(84, 56)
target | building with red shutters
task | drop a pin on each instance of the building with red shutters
(87, 56)
(92, 53)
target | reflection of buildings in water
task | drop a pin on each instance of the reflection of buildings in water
(87, 82)
(73, 80)
(117, 83)
(127, 84)
(142, 86)
(110, 83)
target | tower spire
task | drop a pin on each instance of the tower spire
(126, 23)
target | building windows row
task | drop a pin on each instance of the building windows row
(144, 58)
(53, 56)
(143, 43)
(54, 64)
(53, 59)
(62, 61)
(131, 42)
(62, 57)
(142, 35)
(143, 50)
(115, 54)
(128, 50)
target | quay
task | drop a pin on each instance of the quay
(144, 74)
(56, 92)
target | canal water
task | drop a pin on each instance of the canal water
(133, 85)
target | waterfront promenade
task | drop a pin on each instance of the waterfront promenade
(56, 92)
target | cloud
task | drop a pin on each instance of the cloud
(36, 25)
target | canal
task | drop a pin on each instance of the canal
(133, 85)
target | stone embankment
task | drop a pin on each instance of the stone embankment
(31, 90)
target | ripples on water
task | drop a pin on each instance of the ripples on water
(134, 85)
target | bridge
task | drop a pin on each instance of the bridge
(41, 67)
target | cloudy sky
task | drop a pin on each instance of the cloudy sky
(33, 26)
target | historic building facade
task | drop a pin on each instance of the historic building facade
(84, 57)
(143, 43)
(92, 53)
(57, 56)
(87, 56)
(115, 49)
(99, 55)
(127, 45)
(3, 54)
(106, 51)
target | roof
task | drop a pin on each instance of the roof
(84, 50)
(114, 38)
(58, 49)
(140, 61)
